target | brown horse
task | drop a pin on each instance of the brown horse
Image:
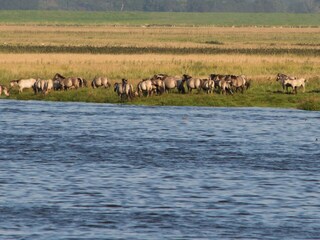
(66, 83)
(237, 82)
(43, 86)
(147, 87)
(221, 83)
(192, 83)
(100, 82)
(281, 78)
(207, 85)
(125, 91)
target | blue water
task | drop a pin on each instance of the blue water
(99, 171)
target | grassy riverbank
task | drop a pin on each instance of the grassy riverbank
(252, 98)
(84, 47)
(265, 91)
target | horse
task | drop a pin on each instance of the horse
(192, 83)
(159, 84)
(82, 82)
(48, 86)
(125, 91)
(37, 86)
(171, 82)
(221, 83)
(146, 86)
(160, 76)
(22, 83)
(281, 78)
(67, 83)
(43, 86)
(100, 82)
(207, 85)
(237, 82)
(5, 91)
(168, 82)
(295, 84)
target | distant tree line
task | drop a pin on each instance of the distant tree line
(298, 6)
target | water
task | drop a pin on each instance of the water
(99, 171)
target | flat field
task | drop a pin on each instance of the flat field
(139, 48)
(159, 18)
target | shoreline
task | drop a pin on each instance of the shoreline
(309, 101)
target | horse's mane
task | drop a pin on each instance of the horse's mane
(59, 76)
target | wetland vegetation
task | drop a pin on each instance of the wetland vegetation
(138, 49)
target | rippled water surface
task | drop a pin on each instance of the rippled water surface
(99, 171)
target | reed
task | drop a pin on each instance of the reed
(136, 52)
(176, 40)
(158, 50)
(265, 91)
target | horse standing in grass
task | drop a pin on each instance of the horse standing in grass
(146, 86)
(67, 83)
(192, 83)
(22, 83)
(221, 83)
(124, 90)
(43, 86)
(295, 84)
(237, 82)
(100, 82)
(281, 78)
(207, 85)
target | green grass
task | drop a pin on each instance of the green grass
(153, 18)
(260, 95)
(259, 53)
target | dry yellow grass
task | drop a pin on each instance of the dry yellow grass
(135, 67)
(102, 58)
(138, 66)
(185, 37)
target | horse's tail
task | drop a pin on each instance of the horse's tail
(116, 88)
(131, 92)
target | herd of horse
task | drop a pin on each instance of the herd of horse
(155, 85)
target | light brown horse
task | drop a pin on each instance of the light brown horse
(42, 86)
(22, 83)
(295, 84)
(237, 82)
(125, 91)
(147, 87)
(66, 83)
(100, 82)
(159, 84)
(221, 83)
(207, 85)
(192, 83)
(281, 78)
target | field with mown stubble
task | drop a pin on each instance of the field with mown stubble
(137, 52)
